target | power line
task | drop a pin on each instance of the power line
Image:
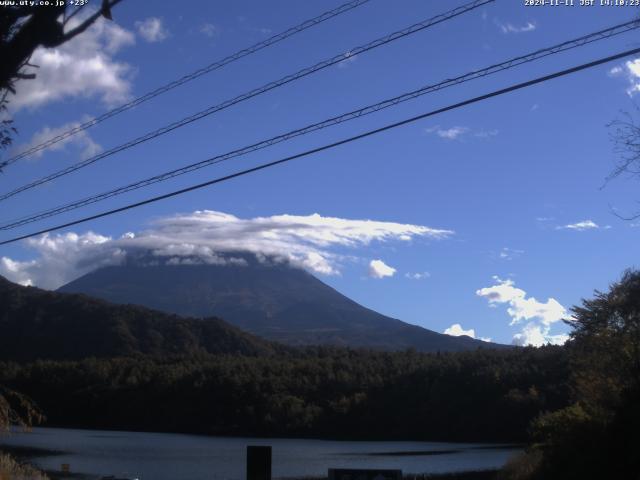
(255, 92)
(189, 77)
(511, 63)
(344, 141)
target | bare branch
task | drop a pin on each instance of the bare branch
(626, 139)
(622, 217)
(104, 11)
(25, 76)
(71, 15)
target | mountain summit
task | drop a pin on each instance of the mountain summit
(269, 298)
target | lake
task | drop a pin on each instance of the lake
(165, 456)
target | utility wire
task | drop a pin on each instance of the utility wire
(511, 63)
(258, 91)
(189, 77)
(344, 141)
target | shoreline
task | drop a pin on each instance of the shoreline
(26, 454)
(482, 444)
(466, 475)
(19, 451)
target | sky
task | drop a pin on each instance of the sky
(492, 220)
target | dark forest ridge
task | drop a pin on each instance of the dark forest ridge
(75, 356)
(36, 323)
(268, 298)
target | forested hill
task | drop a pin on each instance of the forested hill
(203, 376)
(36, 323)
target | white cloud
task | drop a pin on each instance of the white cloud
(456, 330)
(617, 70)
(507, 28)
(16, 271)
(81, 140)
(537, 336)
(580, 226)
(631, 71)
(459, 132)
(504, 291)
(486, 133)
(209, 30)
(417, 275)
(452, 133)
(152, 30)
(62, 258)
(379, 269)
(304, 241)
(539, 315)
(81, 67)
(520, 307)
(510, 253)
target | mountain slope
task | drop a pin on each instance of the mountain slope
(36, 323)
(272, 300)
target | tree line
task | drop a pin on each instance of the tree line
(577, 405)
(313, 392)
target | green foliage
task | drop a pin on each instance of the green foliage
(12, 470)
(320, 392)
(598, 435)
(17, 409)
(606, 346)
(523, 466)
(563, 426)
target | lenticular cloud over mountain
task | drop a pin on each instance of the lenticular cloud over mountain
(310, 242)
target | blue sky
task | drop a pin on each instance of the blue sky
(515, 181)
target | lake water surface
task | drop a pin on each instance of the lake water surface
(164, 456)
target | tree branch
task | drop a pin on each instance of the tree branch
(104, 11)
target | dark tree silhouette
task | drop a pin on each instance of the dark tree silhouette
(23, 29)
(596, 436)
(17, 409)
